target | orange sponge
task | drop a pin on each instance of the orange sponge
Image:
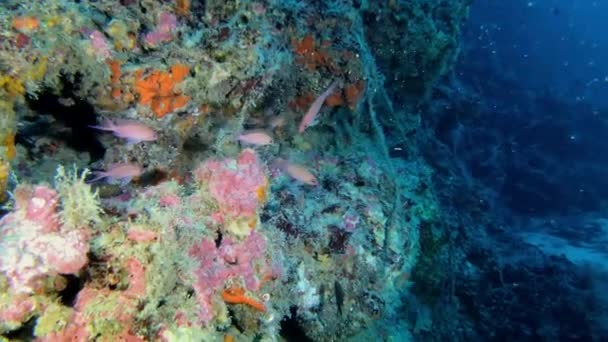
(157, 90)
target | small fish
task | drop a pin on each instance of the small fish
(257, 138)
(277, 122)
(66, 101)
(300, 173)
(339, 295)
(314, 109)
(123, 173)
(133, 131)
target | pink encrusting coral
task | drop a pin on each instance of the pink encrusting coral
(164, 32)
(17, 310)
(242, 260)
(100, 44)
(99, 304)
(35, 244)
(41, 209)
(141, 235)
(137, 278)
(238, 185)
(116, 307)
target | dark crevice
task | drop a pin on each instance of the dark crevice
(72, 112)
(23, 333)
(338, 239)
(291, 330)
(69, 293)
(235, 322)
(218, 239)
(3, 211)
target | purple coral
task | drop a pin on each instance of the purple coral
(232, 259)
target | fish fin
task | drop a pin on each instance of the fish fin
(101, 128)
(302, 127)
(107, 125)
(131, 141)
(99, 175)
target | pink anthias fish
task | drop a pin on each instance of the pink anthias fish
(257, 138)
(300, 173)
(277, 122)
(133, 131)
(122, 173)
(314, 109)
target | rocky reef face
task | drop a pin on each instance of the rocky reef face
(217, 218)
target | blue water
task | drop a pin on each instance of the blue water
(534, 76)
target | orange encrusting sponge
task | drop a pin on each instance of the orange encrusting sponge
(236, 295)
(26, 24)
(157, 90)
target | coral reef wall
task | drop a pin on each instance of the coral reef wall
(244, 186)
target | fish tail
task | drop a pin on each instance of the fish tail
(98, 175)
(304, 123)
(107, 125)
(101, 128)
(330, 89)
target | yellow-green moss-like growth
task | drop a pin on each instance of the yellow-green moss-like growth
(11, 89)
(53, 319)
(79, 203)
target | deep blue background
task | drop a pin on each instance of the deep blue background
(555, 45)
(540, 72)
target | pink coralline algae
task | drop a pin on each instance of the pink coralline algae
(232, 259)
(164, 32)
(119, 309)
(17, 310)
(137, 278)
(35, 244)
(100, 45)
(169, 201)
(106, 305)
(41, 207)
(141, 235)
(238, 185)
